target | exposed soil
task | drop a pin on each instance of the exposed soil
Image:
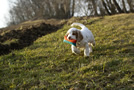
(25, 34)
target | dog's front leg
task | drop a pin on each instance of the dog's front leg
(86, 50)
(75, 50)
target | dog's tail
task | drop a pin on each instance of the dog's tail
(78, 24)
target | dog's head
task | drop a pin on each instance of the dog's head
(74, 33)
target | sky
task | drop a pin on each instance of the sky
(4, 9)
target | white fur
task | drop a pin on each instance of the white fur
(87, 42)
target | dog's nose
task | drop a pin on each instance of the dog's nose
(69, 38)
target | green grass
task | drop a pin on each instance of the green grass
(49, 64)
(8, 42)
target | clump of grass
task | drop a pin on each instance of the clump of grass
(8, 42)
(49, 64)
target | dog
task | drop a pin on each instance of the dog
(84, 37)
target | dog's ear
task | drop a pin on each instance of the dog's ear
(79, 36)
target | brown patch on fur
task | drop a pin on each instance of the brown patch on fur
(74, 33)
(79, 36)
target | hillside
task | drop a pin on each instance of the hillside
(24, 34)
(48, 63)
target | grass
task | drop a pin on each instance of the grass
(49, 64)
(10, 41)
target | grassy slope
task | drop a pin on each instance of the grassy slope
(48, 63)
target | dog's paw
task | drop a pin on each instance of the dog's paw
(73, 54)
(76, 52)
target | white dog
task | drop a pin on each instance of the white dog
(84, 37)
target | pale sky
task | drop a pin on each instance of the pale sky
(4, 9)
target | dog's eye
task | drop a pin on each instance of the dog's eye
(73, 34)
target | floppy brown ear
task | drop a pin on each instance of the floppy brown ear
(79, 36)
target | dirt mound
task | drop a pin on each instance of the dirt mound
(22, 35)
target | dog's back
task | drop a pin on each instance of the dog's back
(86, 33)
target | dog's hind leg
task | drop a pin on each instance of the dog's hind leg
(90, 49)
(86, 51)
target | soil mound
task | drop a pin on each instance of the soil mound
(22, 35)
